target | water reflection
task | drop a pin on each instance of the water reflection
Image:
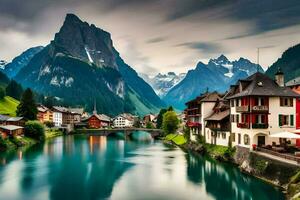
(97, 167)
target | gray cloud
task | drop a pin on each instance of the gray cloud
(204, 47)
(156, 40)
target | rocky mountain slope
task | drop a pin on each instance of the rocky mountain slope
(289, 64)
(12, 68)
(217, 75)
(81, 65)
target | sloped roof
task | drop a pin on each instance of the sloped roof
(14, 119)
(11, 127)
(4, 117)
(69, 110)
(261, 85)
(218, 116)
(211, 97)
(101, 117)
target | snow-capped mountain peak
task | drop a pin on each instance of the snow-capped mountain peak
(162, 83)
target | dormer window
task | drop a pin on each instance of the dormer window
(260, 83)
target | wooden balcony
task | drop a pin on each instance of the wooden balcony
(260, 126)
(242, 108)
(243, 125)
(260, 108)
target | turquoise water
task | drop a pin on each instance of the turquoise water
(99, 167)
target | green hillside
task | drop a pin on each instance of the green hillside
(8, 106)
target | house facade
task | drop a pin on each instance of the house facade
(66, 116)
(124, 120)
(97, 121)
(217, 125)
(57, 117)
(199, 109)
(259, 107)
(44, 114)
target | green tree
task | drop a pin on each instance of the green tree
(170, 108)
(2, 93)
(160, 118)
(34, 129)
(170, 122)
(149, 125)
(27, 107)
(14, 90)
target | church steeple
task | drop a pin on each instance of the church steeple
(95, 108)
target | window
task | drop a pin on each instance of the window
(237, 102)
(286, 102)
(219, 134)
(223, 135)
(239, 138)
(246, 139)
(237, 118)
(232, 102)
(259, 101)
(286, 120)
(260, 119)
(233, 137)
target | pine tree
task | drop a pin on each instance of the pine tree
(160, 118)
(27, 107)
(2, 93)
(14, 90)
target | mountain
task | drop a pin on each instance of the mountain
(4, 80)
(2, 64)
(81, 65)
(12, 68)
(217, 75)
(162, 83)
(289, 64)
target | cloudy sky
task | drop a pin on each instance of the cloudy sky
(161, 35)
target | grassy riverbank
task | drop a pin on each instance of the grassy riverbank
(53, 132)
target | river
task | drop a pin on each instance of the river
(99, 167)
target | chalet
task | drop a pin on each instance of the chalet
(98, 121)
(10, 130)
(44, 114)
(124, 120)
(260, 107)
(7, 120)
(17, 121)
(197, 110)
(217, 125)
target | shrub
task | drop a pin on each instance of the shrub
(49, 124)
(35, 130)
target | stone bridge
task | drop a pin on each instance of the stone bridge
(127, 131)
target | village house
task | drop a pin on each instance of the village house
(44, 114)
(124, 120)
(150, 118)
(57, 116)
(11, 131)
(217, 125)
(199, 109)
(260, 107)
(97, 121)
(66, 116)
(7, 120)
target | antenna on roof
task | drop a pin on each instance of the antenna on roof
(257, 65)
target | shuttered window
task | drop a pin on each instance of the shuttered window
(280, 120)
(292, 120)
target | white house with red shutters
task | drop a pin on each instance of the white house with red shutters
(260, 107)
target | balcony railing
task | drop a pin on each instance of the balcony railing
(243, 125)
(260, 108)
(242, 108)
(260, 126)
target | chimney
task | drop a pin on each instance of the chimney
(279, 77)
